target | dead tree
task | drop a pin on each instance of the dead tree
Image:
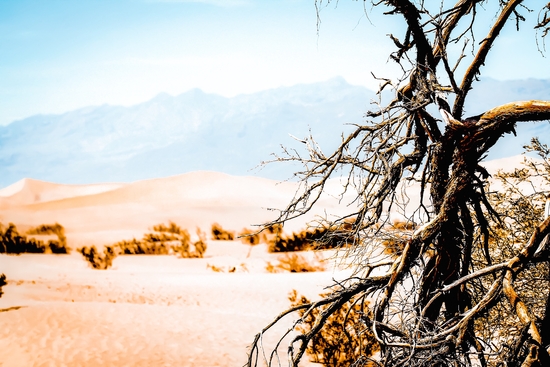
(440, 300)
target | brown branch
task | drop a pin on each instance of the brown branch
(461, 8)
(481, 55)
(411, 14)
(519, 307)
(516, 111)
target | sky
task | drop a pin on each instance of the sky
(60, 55)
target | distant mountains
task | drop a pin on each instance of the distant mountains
(199, 131)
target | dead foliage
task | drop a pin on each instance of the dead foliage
(220, 234)
(13, 242)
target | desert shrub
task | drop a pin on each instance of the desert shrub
(250, 237)
(12, 242)
(3, 282)
(319, 238)
(270, 233)
(345, 338)
(96, 259)
(154, 244)
(296, 242)
(295, 263)
(302, 241)
(55, 247)
(220, 234)
(395, 236)
(404, 225)
(166, 239)
(214, 268)
(132, 247)
(200, 245)
(242, 268)
(184, 248)
(170, 228)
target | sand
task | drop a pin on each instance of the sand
(145, 310)
(150, 310)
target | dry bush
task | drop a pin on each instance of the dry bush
(55, 247)
(166, 239)
(395, 236)
(132, 247)
(295, 263)
(301, 241)
(3, 282)
(96, 259)
(268, 235)
(200, 245)
(250, 237)
(320, 238)
(404, 225)
(220, 234)
(346, 337)
(271, 233)
(230, 269)
(12, 242)
(214, 268)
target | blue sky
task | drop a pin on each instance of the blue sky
(58, 55)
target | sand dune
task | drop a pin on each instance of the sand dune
(151, 310)
(99, 214)
(29, 191)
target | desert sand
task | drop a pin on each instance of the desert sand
(151, 310)
(145, 310)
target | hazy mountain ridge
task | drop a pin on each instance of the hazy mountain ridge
(200, 131)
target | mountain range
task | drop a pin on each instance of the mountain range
(170, 135)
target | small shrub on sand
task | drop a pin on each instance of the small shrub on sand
(345, 340)
(3, 282)
(250, 237)
(294, 263)
(164, 240)
(296, 242)
(320, 238)
(132, 247)
(242, 268)
(12, 242)
(200, 245)
(214, 268)
(187, 249)
(220, 234)
(96, 259)
(56, 247)
(302, 241)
